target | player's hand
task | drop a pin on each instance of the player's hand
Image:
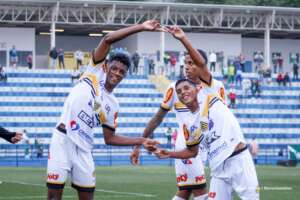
(18, 137)
(152, 25)
(162, 153)
(176, 31)
(150, 145)
(134, 157)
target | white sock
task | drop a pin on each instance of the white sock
(202, 197)
(177, 198)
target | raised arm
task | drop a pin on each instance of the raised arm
(102, 49)
(199, 61)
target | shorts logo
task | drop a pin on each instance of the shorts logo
(182, 178)
(200, 179)
(74, 125)
(83, 116)
(212, 195)
(187, 162)
(53, 176)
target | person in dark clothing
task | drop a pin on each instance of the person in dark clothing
(135, 59)
(53, 56)
(295, 71)
(12, 137)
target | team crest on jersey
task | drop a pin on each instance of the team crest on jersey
(187, 161)
(210, 124)
(213, 137)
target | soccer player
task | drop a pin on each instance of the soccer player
(212, 125)
(12, 137)
(189, 172)
(90, 103)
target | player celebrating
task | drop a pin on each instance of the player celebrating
(189, 173)
(90, 103)
(212, 125)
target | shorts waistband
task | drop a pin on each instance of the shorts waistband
(238, 152)
(61, 128)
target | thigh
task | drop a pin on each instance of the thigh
(244, 180)
(83, 171)
(58, 165)
(219, 189)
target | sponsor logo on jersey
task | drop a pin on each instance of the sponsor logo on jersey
(216, 151)
(88, 120)
(74, 125)
(212, 195)
(182, 178)
(53, 176)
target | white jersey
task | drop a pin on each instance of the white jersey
(182, 113)
(87, 106)
(215, 128)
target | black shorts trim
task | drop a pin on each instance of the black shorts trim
(83, 189)
(192, 187)
(55, 186)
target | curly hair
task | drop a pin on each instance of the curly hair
(121, 57)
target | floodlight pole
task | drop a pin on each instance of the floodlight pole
(267, 44)
(53, 23)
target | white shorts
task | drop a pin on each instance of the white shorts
(235, 174)
(66, 158)
(190, 173)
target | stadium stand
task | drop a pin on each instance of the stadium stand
(33, 100)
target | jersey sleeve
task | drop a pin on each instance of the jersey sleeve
(169, 98)
(192, 138)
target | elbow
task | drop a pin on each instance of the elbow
(107, 39)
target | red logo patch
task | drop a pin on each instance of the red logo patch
(212, 195)
(53, 176)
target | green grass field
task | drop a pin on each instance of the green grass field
(139, 183)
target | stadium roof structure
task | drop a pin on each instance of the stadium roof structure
(80, 17)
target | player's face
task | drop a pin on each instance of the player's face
(190, 68)
(117, 71)
(186, 92)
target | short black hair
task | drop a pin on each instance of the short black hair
(121, 57)
(203, 54)
(184, 80)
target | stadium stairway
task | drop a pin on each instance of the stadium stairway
(33, 100)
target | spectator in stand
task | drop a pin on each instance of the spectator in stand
(238, 74)
(280, 62)
(29, 60)
(279, 78)
(213, 61)
(231, 74)
(53, 56)
(275, 63)
(246, 85)
(169, 136)
(295, 71)
(173, 62)
(79, 58)
(166, 62)
(181, 65)
(286, 79)
(258, 59)
(267, 74)
(225, 73)
(174, 136)
(13, 56)
(3, 76)
(151, 66)
(61, 59)
(232, 97)
(242, 61)
(257, 87)
(135, 60)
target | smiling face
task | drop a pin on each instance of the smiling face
(186, 92)
(116, 72)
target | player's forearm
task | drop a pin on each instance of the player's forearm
(120, 140)
(184, 154)
(197, 58)
(104, 46)
(7, 135)
(154, 122)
